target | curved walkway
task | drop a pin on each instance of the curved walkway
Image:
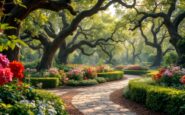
(95, 100)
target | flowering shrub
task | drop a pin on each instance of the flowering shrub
(134, 67)
(90, 73)
(4, 62)
(119, 67)
(10, 70)
(75, 74)
(103, 68)
(172, 76)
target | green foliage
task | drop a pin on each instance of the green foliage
(135, 72)
(110, 76)
(82, 82)
(30, 101)
(157, 98)
(45, 82)
(170, 58)
(100, 79)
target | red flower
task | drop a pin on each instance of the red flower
(17, 69)
(157, 76)
(5, 76)
(182, 79)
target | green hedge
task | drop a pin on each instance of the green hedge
(46, 82)
(110, 76)
(82, 82)
(157, 98)
(135, 72)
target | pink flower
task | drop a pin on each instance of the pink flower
(168, 73)
(5, 76)
(4, 62)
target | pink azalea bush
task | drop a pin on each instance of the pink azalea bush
(75, 74)
(135, 67)
(172, 76)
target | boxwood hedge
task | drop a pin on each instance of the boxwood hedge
(110, 76)
(157, 98)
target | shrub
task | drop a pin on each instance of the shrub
(119, 67)
(135, 72)
(75, 74)
(44, 82)
(82, 82)
(90, 73)
(157, 98)
(135, 67)
(103, 68)
(110, 76)
(100, 79)
(172, 77)
(27, 101)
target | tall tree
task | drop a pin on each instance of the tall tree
(172, 18)
(13, 12)
(159, 35)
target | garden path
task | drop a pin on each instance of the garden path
(95, 100)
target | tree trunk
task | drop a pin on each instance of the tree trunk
(63, 54)
(158, 58)
(180, 49)
(47, 59)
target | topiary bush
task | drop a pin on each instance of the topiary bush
(100, 79)
(156, 98)
(44, 82)
(110, 76)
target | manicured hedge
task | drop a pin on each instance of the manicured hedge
(44, 82)
(110, 76)
(82, 82)
(157, 98)
(135, 72)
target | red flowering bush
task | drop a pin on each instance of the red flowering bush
(90, 73)
(17, 69)
(5, 76)
(172, 76)
(182, 79)
(9, 70)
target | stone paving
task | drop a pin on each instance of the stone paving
(95, 100)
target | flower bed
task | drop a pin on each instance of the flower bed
(157, 98)
(135, 70)
(24, 100)
(16, 98)
(89, 76)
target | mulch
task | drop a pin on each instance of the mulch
(67, 98)
(118, 98)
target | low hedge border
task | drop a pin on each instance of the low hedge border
(110, 76)
(135, 72)
(81, 82)
(157, 98)
(45, 82)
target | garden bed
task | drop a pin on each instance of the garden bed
(156, 98)
(24, 100)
